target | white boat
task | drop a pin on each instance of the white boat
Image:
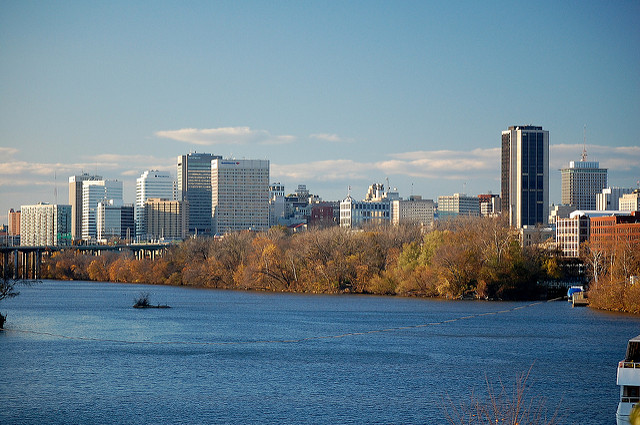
(629, 381)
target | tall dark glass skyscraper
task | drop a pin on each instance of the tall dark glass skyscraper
(194, 186)
(525, 175)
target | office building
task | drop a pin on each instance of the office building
(525, 175)
(581, 182)
(414, 210)
(375, 209)
(75, 200)
(608, 199)
(45, 225)
(276, 190)
(152, 184)
(14, 223)
(572, 233)
(108, 219)
(276, 203)
(127, 222)
(621, 229)
(559, 211)
(355, 214)
(536, 236)
(323, 215)
(93, 192)
(114, 220)
(458, 204)
(489, 204)
(630, 201)
(166, 219)
(240, 195)
(194, 187)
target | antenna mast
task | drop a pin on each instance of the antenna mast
(584, 144)
(55, 188)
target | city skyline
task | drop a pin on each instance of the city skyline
(334, 95)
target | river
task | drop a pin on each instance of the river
(77, 353)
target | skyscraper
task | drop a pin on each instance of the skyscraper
(194, 187)
(75, 200)
(152, 184)
(525, 175)
(240, 197)
(581, 182)
(93, 192)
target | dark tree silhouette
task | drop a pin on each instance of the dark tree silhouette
(8, 290)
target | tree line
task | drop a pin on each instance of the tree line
(467, 256)
(614, 268)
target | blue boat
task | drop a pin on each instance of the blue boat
(573, 290)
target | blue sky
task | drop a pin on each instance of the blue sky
(334, 94)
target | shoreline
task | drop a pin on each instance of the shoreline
(282, 291)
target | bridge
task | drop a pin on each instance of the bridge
(26, 260)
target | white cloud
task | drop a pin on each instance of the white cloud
(279, 140)
(334, 170)
(450, 165)
(615, 158)
(122, 167)
(421, 164)
(330, 137)
(224, 136)
(8, 152)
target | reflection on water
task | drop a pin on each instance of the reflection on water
(333, 359)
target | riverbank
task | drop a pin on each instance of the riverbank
(466, 257)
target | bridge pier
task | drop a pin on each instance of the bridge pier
(27, 260)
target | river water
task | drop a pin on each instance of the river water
(77, 353)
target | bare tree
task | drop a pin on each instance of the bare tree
(502, 405)
(8, 290)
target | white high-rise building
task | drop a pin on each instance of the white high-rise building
(525, 175)
(610, 197)
(93, 192)
(239, 195)
(152, 184)
(581, 182)
(75, 200)
(45, 225)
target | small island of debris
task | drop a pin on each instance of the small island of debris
(143, 302)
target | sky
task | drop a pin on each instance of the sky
(336, 94)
